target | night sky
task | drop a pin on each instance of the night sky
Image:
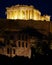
(45, 6)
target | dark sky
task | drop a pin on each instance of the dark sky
(45, 6)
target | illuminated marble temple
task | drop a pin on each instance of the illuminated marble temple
(25, 12)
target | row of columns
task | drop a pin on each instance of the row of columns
(18, 41)
(20, 14)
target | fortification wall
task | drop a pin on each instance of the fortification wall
(15, 25)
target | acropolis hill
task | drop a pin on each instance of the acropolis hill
(24, 27)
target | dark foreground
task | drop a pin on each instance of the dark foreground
(38, 59)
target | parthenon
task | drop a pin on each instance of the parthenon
(25, 12)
